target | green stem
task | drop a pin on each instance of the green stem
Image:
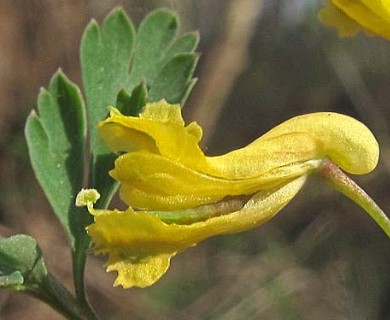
(79, 260)
(349, 188)
(87, 197)
(52, 292)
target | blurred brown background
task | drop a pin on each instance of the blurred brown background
(261, 63)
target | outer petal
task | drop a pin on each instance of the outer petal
(159, 129)
(345, 140)
(140, 244)
(165, 177)
(348, 142)
(371, 15)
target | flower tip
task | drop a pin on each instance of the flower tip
(86, 197)
(114, 112)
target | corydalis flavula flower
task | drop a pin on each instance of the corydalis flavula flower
(183, 197)
(352, 16)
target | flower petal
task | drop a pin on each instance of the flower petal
(371, 15)
(159, 129)
(140, 244)
(158, 183)
(141, 273)
(345, 140)
(334, 17)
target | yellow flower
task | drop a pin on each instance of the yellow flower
(352, 16)
(183, 197)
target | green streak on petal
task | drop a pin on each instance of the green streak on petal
(202, 213)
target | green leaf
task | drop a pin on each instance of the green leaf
(56, 143)
(155, 36)
(185, 44)
(156, 48)
(21, 263)
(10, 278)
(105, 61)
(116, 59)
(174, 82)
(22, 268)
(132, 104)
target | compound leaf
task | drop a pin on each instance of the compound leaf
(56, 143)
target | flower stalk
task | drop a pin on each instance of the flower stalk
(60, 299)
(340, 181)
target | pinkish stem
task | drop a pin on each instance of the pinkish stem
(349, 188)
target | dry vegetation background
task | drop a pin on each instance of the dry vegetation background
(261, 63)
